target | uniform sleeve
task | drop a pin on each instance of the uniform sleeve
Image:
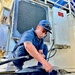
(26, 37)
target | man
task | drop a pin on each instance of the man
(32, 44)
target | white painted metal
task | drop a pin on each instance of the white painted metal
(69, 6)
(61, 32)
(64, 33)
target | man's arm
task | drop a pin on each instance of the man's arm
(41, 52)
(34, 53)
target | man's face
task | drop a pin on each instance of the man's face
(41, 32)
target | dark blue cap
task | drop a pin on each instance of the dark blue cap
(46, 25)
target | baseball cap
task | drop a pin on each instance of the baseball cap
(46, 25)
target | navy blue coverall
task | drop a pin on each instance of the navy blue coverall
(19, 49)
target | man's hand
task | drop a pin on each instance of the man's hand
(48, 67)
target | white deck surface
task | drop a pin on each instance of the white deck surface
(11, 67)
